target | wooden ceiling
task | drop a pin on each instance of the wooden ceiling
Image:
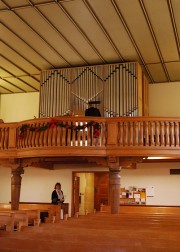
(45, 34)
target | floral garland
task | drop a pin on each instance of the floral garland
(25, 127)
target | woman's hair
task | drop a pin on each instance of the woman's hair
(57, 184)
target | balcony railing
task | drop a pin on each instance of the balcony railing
(78, 136)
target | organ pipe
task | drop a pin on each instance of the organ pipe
(70, 89)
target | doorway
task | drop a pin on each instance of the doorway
(90, 190)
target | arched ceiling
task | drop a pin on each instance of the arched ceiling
(45, 34)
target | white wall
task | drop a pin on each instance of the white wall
(19, 107)
(167, 187)
(164, 99)
(37, 183)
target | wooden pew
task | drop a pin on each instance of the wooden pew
(146, 209)
(54, 214)
(20, 218)
(37, 209)
(23, 218)
(42, 206)
(33, 217)
(7, 221)
(45, 208)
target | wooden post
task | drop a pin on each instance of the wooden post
(16, 187)
(12, 140)
(114, 184)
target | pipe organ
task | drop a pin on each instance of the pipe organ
(118, 87)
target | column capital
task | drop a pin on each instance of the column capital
(115, 170)
(16, 175)
(113, 162)
(17, 171)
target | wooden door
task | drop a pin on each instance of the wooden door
(76, 185)
(101, 189)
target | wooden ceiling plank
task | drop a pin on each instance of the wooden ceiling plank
(12, 53)
(157, 71)
(115, 29)
(88, 5)
(21, 4)
(150, 28)
(154, 38)
(93, 32)
(17, 66)
(18, 78)
(11, 86)
(4, 88)
(17, 72)
(64, 25)
(21, 85)
(42, 38)
(61, 35)
(32, 80)
(174, 14)
(174, 70)
(132, 39)
(51, 35)
(6, 63)
(160, 18)
(24, 43)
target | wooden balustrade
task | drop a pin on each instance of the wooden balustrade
(123, 136)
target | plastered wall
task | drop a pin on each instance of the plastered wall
(164, 99)
(37, 183)
(18, 107)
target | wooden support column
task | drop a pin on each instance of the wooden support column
(114, 184)
(16, 187)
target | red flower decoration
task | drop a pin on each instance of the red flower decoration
(53, 123)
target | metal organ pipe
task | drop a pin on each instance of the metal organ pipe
(115, 85)
(58, 94)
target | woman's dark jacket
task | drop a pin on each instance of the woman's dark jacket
(54, 198)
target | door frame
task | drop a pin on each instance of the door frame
(74, 173)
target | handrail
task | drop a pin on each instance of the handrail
(63, 131)
(135, 136)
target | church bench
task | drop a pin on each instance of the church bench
(33, 206)
(146, 209)
(7, 221)
(5, 206)
(160, 221)
(33, 216)
(20, 218)
(159, 217)
(44, 208)
(23, 218)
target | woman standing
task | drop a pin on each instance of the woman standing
(57, 196)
